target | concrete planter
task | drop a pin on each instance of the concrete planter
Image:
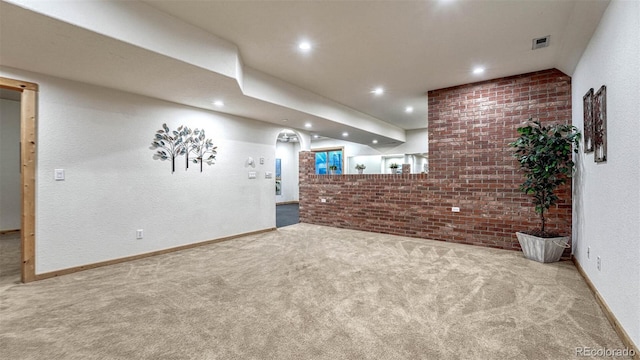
(541, 249)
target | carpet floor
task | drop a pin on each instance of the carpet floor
(309, 292)
(9, 259)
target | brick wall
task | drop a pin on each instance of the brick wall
(470, 167)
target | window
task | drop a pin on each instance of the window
(325, 158)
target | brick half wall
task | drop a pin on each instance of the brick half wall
(471, 167)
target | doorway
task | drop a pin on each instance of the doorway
(287, 183)
(27, 167)
(10, 202)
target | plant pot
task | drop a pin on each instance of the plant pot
(542, 250)
(360, 171)
(332, 172)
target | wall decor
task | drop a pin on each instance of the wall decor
(587, 101)
(169, 144)
(203, 148)
(600, 125)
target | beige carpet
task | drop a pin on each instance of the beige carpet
(9, 259)
(309, 292)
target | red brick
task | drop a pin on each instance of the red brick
(470, 167)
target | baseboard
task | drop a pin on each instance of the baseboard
(288, 202)
(626, 340)
(72, 270)
(10, 231)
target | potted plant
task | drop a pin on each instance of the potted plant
(360, 168)
(332, 169)
(544, 154)
(394, 168)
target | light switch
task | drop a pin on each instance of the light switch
(261, 161)
(58, 174)
(268, 175)
(252, 174)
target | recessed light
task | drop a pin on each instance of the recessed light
(408, 109)
(345, 134)
(304, 46)
(375, 141)
(284, 120)
(218, 103)
(316, 136)
(478, 70)
(307, 125)
(378, 91)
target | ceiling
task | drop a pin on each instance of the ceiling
(407, 47)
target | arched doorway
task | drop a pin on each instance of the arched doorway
(288, 145)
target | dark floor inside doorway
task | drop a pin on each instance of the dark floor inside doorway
(287, 214)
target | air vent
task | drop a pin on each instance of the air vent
(540, 43)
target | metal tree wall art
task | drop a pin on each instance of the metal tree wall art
(202, 147)
(187, 136)
(169, 144)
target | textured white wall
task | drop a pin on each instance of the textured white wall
(9, 165)
(417, 143)
(113, 186)
(288, 152)
(607, 195)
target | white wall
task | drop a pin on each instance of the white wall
(373, 164)
(606, 214)
(9, 165)
(113, 186)
(417, 143)
(288, 153)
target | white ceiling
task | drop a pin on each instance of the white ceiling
(408, 47)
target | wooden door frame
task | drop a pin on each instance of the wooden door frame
(28, 110)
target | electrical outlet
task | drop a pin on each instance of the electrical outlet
(598, 263)
(323, 200)
(455, 209)
(139, 234)
(588, 252)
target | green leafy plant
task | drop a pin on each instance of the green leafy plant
(394, 166)
(333, 167)
(544, 154)
(360, 167)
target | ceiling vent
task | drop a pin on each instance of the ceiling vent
(540, 43)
